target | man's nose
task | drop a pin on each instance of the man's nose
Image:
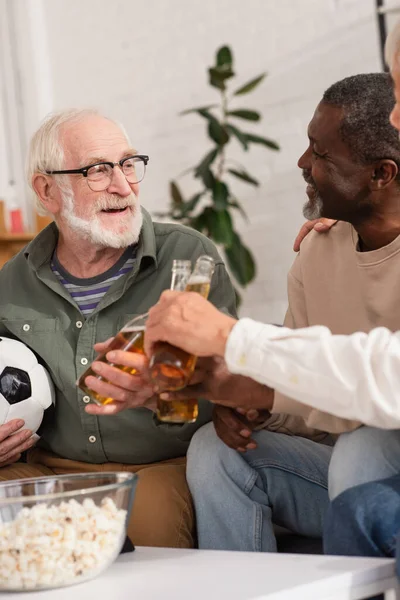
(304, 161)
(119, 185)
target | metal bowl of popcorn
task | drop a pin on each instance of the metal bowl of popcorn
(61, 530)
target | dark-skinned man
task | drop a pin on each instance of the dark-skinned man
(344, 280)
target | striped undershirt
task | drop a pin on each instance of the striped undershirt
(88, 292)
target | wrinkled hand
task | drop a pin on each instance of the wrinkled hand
(187, 320)
(12, 446)
(213, 381)
(234, 427)
(320, 225)
(128, 391)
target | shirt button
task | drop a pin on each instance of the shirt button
(92, 439)
(86, 399)
(84, 361)
(26, 327)
(79, 324)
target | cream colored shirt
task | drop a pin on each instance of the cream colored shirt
(331, 283)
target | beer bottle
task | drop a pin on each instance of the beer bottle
(131, 337)
(171, 368)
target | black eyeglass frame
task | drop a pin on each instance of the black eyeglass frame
(84, 170)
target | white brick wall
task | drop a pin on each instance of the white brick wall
(144, 61)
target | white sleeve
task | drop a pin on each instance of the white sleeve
(352, 377)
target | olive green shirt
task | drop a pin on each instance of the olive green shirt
(36, 309)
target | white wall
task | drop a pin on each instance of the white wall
(144, 61)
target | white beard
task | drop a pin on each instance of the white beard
(312, 209)
(93, 230)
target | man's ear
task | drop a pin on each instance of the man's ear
(48, 191)
(385, 171)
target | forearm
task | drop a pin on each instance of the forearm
(352, 377)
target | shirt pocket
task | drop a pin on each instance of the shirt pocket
(41, 335)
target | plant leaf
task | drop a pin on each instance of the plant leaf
(177, 199)
(204, 113)
(218, 75)
(216, 224)
(240, 261)
(220, 226)
(244, 176)
(220, 195)
(200, 223)
(250, 85)
(190, 205)
(215, 80)
(241, 137)
(256, 139)
(205, 163)
(198, 110)
(208, 179)
(249, 115)
(224, 56)
(239, 207)
(217, 132)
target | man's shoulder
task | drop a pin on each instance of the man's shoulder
(41, 246)
(177, 229)
(173, 234)
(340, 233)
(320, 252)
(15, 266)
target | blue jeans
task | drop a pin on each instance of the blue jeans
(238, 497)
(364, 455)
(364, 484)
(365, 521)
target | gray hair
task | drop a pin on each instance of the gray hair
(367, 101)
(46, 152)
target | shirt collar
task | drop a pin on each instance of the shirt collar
(40, 250)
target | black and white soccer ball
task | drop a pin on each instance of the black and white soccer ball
(26, 389)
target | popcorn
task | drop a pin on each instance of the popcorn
(48, 546)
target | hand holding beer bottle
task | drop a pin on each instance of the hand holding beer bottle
(213, 381)
(190, 322)
(171, 367)
(131, 338)
(127, 390)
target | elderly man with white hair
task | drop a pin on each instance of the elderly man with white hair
(100, 263)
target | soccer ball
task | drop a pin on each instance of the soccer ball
(26, 389)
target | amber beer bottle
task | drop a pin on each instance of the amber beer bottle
(171, 368)
(131, 337)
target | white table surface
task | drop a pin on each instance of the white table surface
(175, 574)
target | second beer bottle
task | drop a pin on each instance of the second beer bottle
(171, 368)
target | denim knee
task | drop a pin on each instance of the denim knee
(338, 522)
(209, 461)
(361, 456)
(204, 453)
(363, 521)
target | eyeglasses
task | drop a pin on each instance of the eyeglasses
(99, 175)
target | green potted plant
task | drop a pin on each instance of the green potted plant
(210, 209)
